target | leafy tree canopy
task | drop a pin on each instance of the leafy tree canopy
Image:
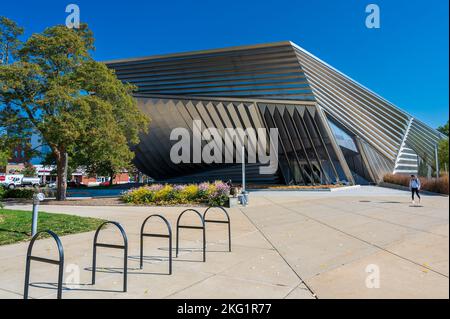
(443, 129)
(443, 154)
(78, 106)
(9, 39)
(9, 45)
(29, 170)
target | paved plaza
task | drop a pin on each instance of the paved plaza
(368, 242)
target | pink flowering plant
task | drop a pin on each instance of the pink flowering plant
(215, 194)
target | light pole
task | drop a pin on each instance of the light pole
(244, 194)
(436, 154)
(243, 168)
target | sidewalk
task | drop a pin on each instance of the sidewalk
(252, 270)
(327, 240)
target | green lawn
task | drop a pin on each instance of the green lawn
(15, 225)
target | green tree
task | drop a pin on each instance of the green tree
(61, 91)
(5, 152)
(9, 46)
(443, 147)
(443, 154)
(443, 129)
(9, 40)
(29, 170)
(98, 155)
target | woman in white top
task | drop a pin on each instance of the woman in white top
(414, 186)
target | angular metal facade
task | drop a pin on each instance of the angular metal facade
(279, 86)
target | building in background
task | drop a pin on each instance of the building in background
(31, 150)
(80, 176)
(331, 128)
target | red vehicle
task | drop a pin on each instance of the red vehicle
(104, 183)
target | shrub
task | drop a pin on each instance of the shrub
(432, 185)
(435, 185)
(203, 191)
(142, 195)
(19, 193)
(190, 193)
(210, 193)
(218, 193)
(2, 192)
(397, 179)
(165, 194)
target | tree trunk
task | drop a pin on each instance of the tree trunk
(111, 176)
(62, 160)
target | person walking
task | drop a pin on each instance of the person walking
(414, 186)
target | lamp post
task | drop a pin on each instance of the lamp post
(436, 154)
(244, 194)
(243, 168)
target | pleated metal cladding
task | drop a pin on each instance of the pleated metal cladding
(305, 154)
(284, 71)
(153, 152)
(257, 71)
(378, 122)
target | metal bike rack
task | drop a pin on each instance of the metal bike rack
(220, 222)
(59, 262)
(168, 235)
(124, 247)
(191, 227)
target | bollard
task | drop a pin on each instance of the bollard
(39, 197)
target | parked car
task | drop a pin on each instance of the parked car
(75, 184)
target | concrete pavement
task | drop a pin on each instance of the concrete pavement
(285, 245)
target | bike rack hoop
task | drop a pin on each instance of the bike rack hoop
(228, 221)
(124, 247)
(202, 227)
(59, 262)
(168, 236)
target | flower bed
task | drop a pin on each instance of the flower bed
(433, 185)
(214, 194)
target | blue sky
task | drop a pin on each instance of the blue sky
(406, 61)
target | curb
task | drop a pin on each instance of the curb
(321, 190)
